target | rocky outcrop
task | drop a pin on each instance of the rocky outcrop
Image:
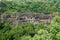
(24, 18)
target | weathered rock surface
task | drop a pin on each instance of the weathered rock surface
(24, 18)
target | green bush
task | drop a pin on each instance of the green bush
(58, 36)
(46, 7)
(31, 31)
(43, 35)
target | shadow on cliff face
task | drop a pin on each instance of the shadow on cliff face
(25, 18)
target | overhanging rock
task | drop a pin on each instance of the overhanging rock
(24, 18)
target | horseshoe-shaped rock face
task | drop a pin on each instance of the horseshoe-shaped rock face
(24, 18)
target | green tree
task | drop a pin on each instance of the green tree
(43, 35)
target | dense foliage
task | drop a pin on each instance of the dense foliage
(31, 32)
(41, 6)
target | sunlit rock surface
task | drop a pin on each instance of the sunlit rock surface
(27, 17)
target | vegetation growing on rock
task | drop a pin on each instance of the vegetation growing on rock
(31, 32)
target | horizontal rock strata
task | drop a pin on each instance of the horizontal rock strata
(24, 18)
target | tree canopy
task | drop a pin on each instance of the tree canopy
(31, 32)
(41, 6)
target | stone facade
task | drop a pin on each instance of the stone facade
(24, 18)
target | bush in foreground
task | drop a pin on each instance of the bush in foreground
(31, 32)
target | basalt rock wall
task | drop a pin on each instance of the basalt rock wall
(24, 18)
